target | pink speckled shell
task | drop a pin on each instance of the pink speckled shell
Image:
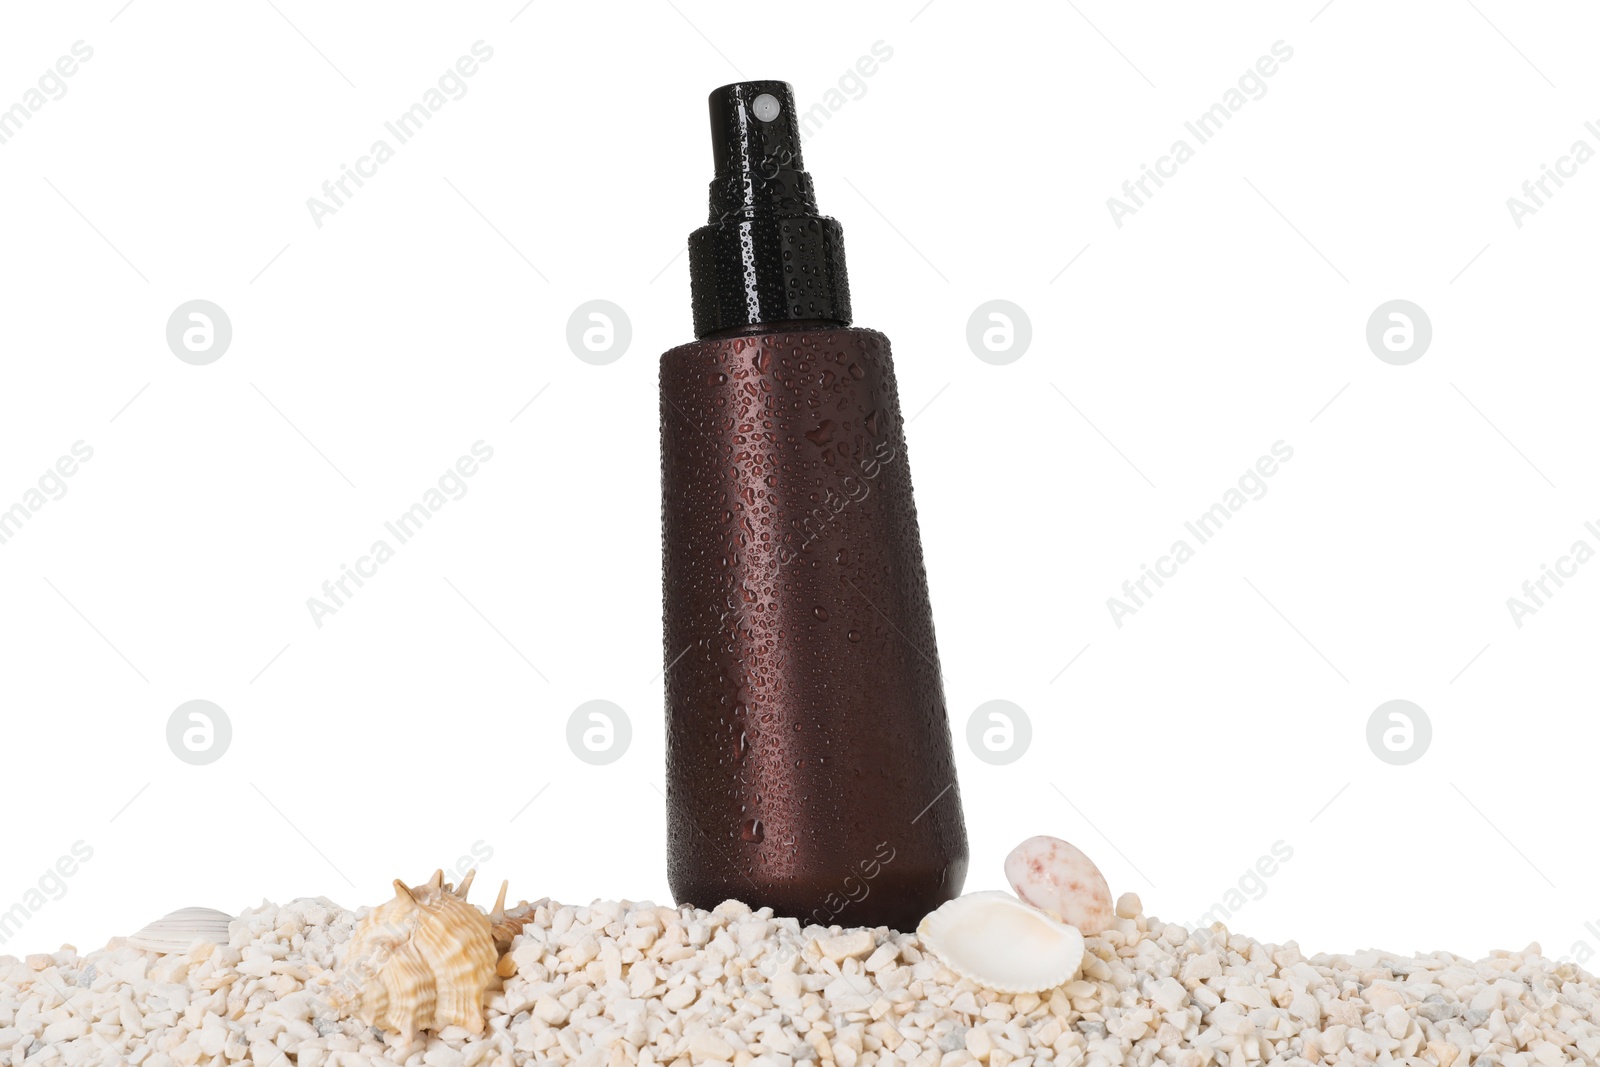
(1056, 877)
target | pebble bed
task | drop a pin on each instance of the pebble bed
(616, 984)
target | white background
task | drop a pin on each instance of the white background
(1227, 314)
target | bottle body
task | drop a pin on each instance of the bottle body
(809, 759)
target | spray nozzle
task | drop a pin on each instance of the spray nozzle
(754, 126)
(755, 145)
(766, 255)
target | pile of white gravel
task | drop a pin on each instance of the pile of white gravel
(624, 983)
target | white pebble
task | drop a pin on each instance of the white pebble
(852, 944)
(679, 997)
(706, 1045)
(1168, 994)
(633, 985)
(849, 993)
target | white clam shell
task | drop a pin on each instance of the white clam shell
(1001, 943)
(1051, 874)
(177, 931)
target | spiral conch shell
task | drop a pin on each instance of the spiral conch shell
(421, 961)
(504, 926)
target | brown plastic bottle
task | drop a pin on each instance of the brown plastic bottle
(809, 763)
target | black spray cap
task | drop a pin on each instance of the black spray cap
(767, 255)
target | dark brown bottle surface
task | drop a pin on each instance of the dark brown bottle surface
(809, 762)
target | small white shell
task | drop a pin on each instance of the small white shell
(177, 931)
(1051, 874)
(1003, 944)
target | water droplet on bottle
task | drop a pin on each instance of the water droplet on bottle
(752, 830)
(822, 434)
(820, 612)
(854, 635)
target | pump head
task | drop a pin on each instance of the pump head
(766, 255)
